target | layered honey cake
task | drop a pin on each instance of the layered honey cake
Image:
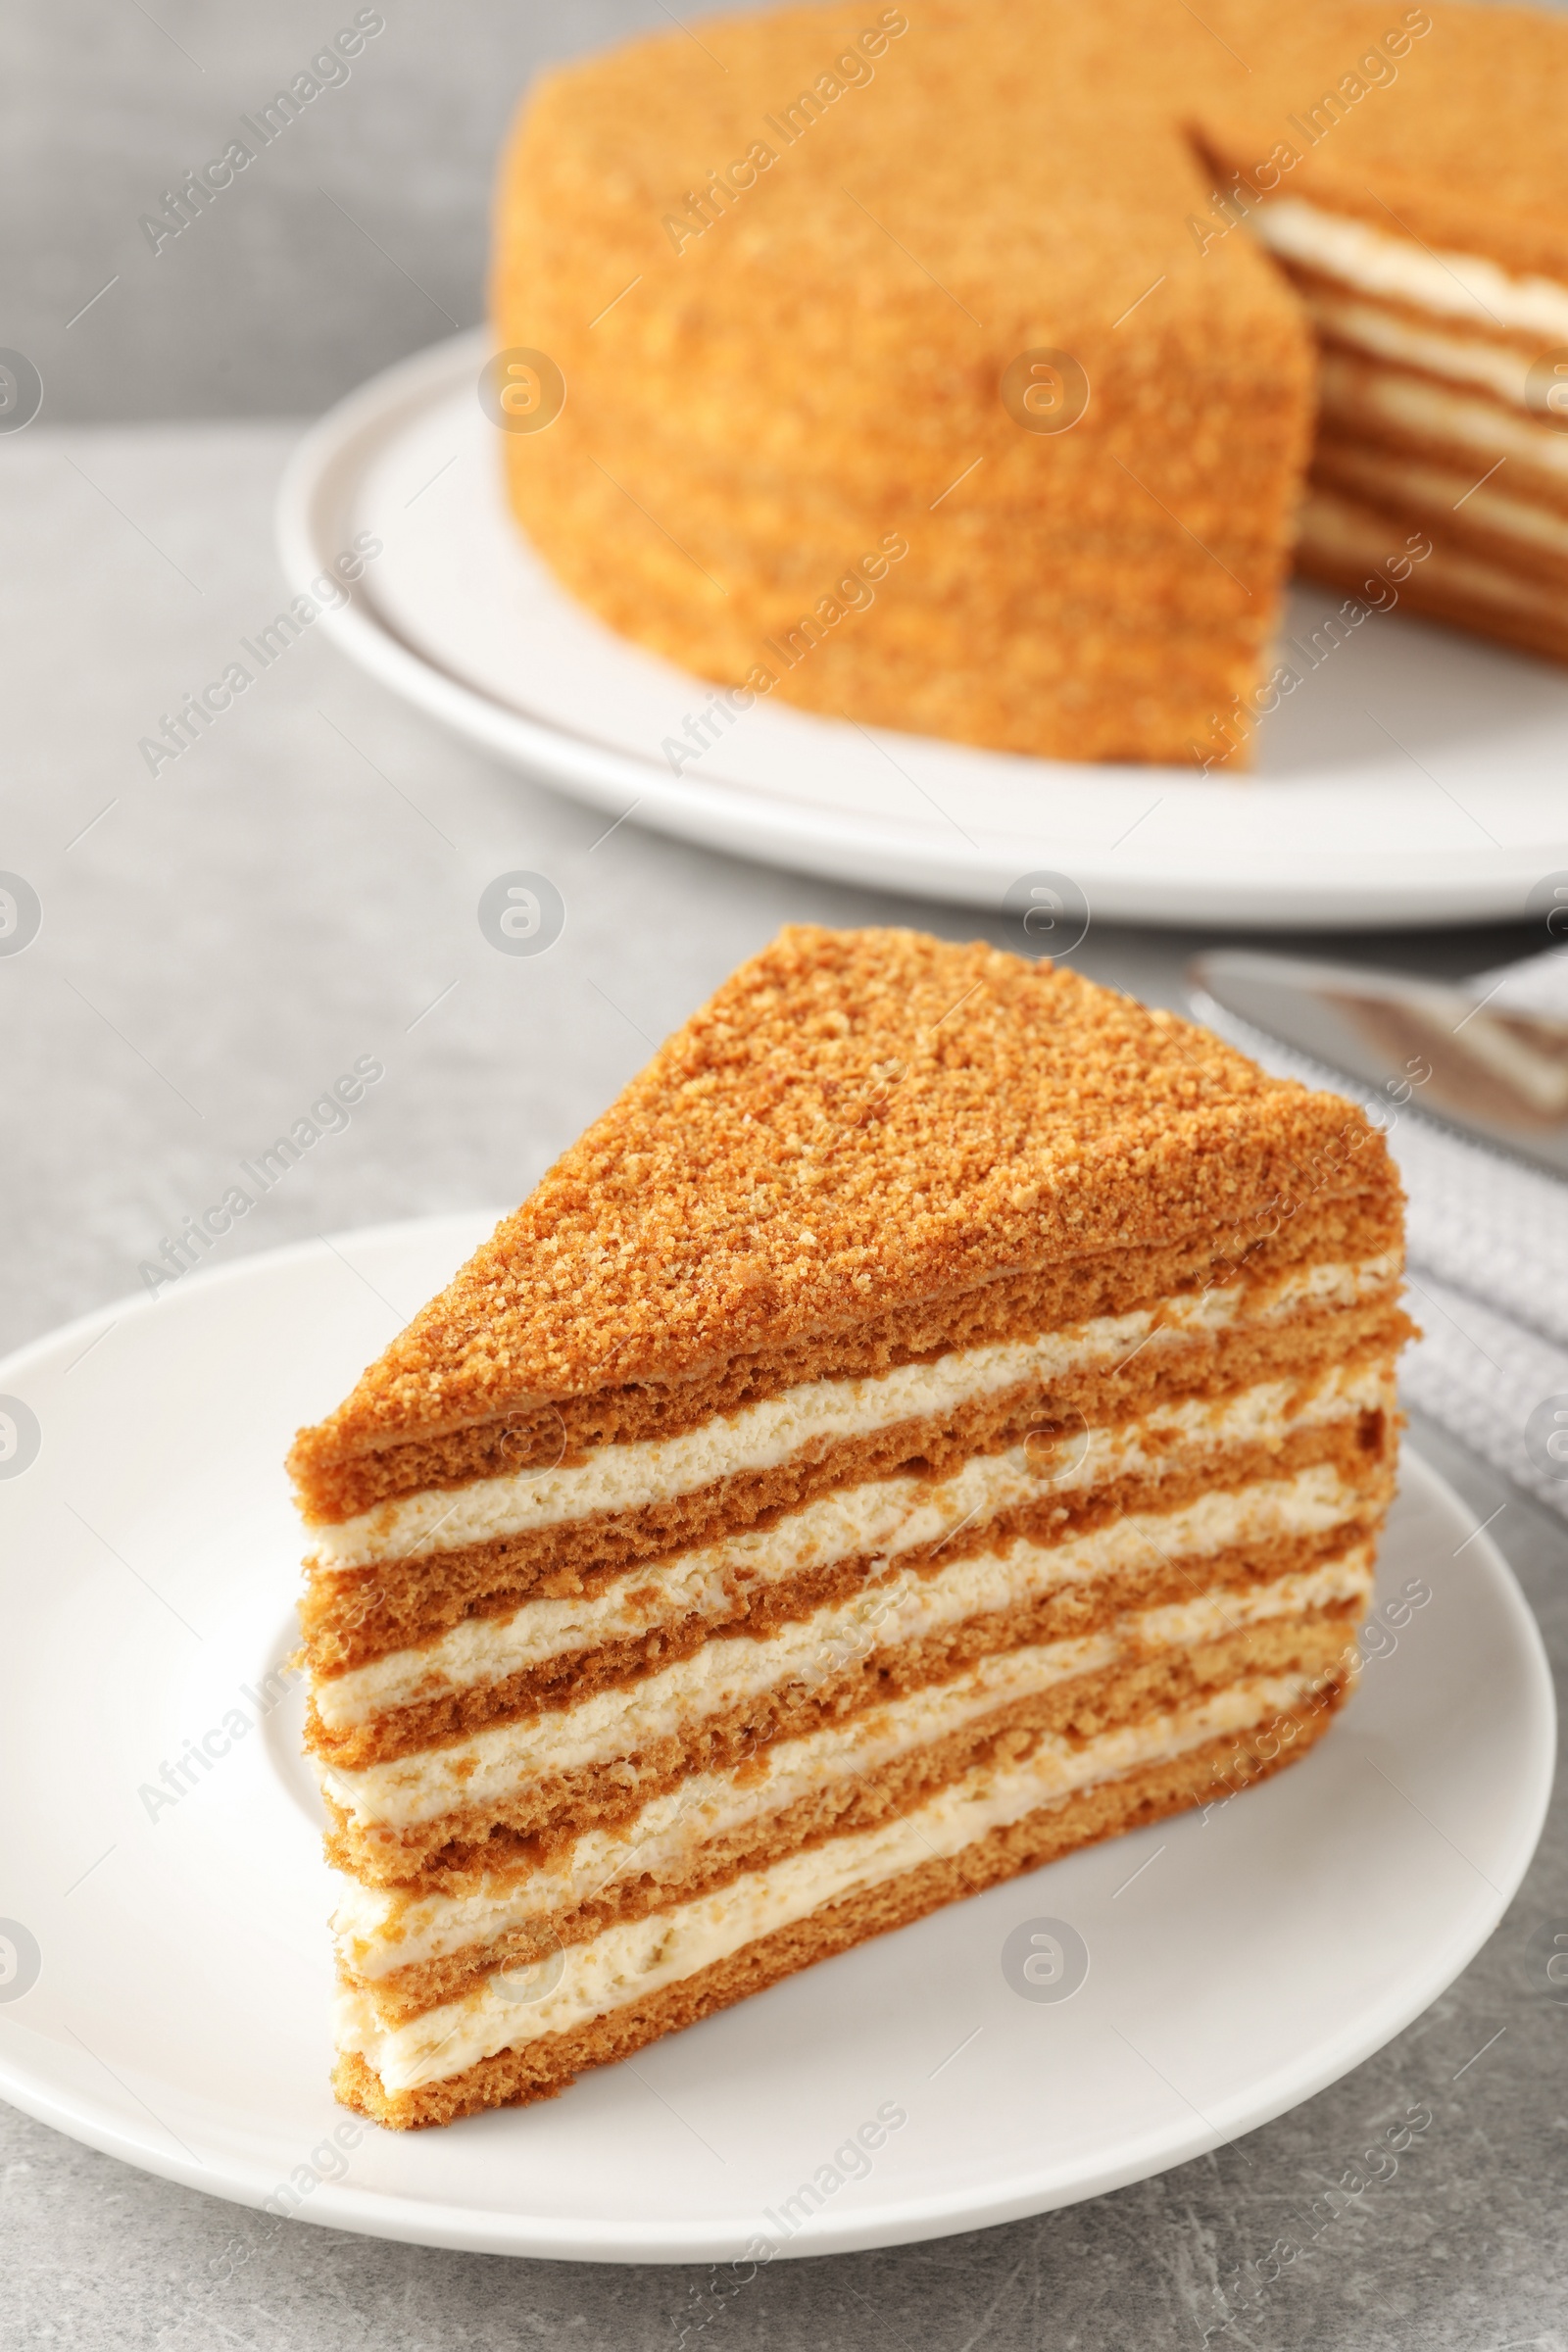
(953, 366)
(940, 1416)
(895, 382)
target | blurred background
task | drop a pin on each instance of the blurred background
(359, 236)
(299, 890)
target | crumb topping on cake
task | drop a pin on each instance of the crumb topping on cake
(855, 1118)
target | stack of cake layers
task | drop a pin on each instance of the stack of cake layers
(942, 1415)
(1408, 170)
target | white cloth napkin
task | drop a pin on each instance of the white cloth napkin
(1487, 1252)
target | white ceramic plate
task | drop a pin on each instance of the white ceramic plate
(1416, 776)
(178, 2015)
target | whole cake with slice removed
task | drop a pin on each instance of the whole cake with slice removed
(940, 1416)
(956, 367)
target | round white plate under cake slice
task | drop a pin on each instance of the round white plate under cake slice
(166, 1965)
(1413, 776)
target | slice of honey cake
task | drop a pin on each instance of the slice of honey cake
(941, 1416)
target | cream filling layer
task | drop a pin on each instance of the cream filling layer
(381, 1930)
(635, 1958)
(1384, 335)
(1332, 525)
(726, 1674)
(1458, 285)
(1432, 412)
(881, 1517)
(805, 1419)
(1432, 487)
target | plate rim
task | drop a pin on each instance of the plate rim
(386, 2214)
(767, 828)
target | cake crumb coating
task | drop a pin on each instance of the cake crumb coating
(854, 1120)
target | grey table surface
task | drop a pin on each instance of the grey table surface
(218, 941)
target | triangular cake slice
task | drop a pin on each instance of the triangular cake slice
(940, 1416)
